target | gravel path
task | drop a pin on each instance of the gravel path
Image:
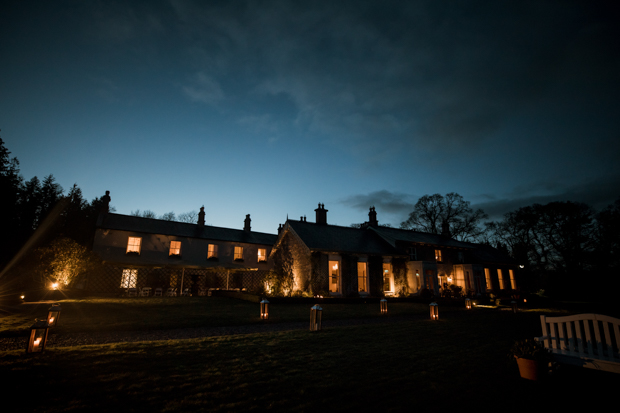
(79, 339)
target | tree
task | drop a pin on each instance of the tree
(63, 261)
(436, 213)
(190, 217)
(168, 216)
(555, 241)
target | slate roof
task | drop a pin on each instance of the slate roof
(341, 239)
(182, 229)
(394, 234)
(382, 241)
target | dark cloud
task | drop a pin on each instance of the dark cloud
(596, 193)
(384, 201)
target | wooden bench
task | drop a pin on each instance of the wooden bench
(587, 340)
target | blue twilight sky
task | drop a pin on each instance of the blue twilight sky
(270, 107)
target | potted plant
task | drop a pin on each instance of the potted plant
(532, 358)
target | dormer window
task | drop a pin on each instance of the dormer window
(262, 255)
(133, 245)
(212, 253)
(175, 248)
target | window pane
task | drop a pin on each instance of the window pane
(129, 279)
(362, 279)
(262, 254)
(175, 247)
(133, 244)
(238, 253)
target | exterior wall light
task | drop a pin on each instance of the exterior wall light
(468, 303)
(53, 314)
(434, 311)
(38, 337)
(316, 313)
(264, 310)
(383, 305)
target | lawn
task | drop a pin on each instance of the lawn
(128, 314)
(456, 363)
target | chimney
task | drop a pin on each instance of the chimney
(372, 217)
(247, 221)
(201, 216)
(106, 202)
(445, 229)
(279, 228)
(321, 215)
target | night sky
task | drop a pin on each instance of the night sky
(268, 108)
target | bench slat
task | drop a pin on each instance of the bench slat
(579, 337)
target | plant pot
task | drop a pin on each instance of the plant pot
(529, 369)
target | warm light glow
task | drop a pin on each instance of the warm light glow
(212, 253)
(22, 296)
(175, 247)
(51, 320)
(383, 306)
(262, 255)
(335, 267)
(521, 266)
(37, 341)
(468, 303)
(438, 255)
(133, 244)
(525, 300)
(434, 311)
(238, 253)
(54, 286)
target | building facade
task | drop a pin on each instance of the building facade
(376, 260)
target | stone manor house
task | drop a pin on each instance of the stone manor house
(324, 259)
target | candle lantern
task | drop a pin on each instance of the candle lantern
(434, 311)
(53, 314)
(468, 303)
(315, 318)
(38, 337)
(264, 309)
(513, 304)
(383, 303)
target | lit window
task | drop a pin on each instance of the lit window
(334, 277)
(212, 251)
(500, 277)
(487, 276)
(133, 245)
(413, 254)
(362, 277)
(238, 253)
(262, 255)
(388, 277)
(438, 255)
(513, 282)
(175, 247)
(130, 278)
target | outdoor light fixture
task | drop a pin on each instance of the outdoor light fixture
(38, 337)
(383, 303)
(434, 311)
(53, 314)
(468, 303)
(264, 309)
(521, 266)
(54, 286)
(514, 306)
(315, 318)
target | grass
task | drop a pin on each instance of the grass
(456, 363)
(128, 314)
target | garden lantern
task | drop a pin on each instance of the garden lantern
(315, 318)
(514, 306)
(468, 303)
(53, 314)
(434, 311)
(38, 337)
(264, 309)
(383, 303)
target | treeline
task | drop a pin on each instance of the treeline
(27, 204)
(566, 248)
